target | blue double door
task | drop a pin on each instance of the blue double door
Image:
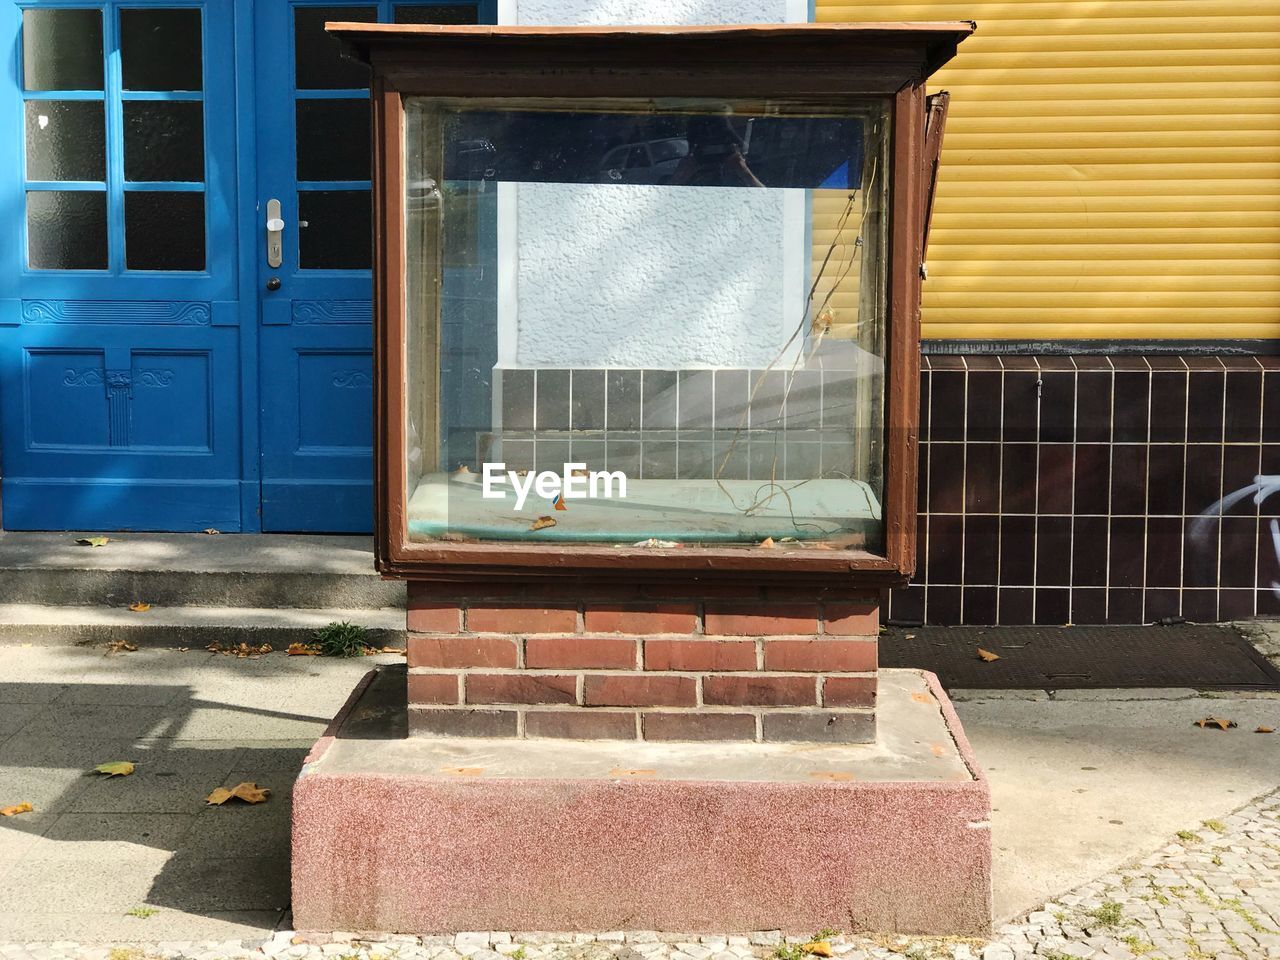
(185, 288)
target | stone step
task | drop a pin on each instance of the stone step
(180, 570)
(28, 623)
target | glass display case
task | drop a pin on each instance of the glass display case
(648, 297)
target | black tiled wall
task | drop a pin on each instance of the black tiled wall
(1073, 490)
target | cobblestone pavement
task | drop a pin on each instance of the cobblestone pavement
(1211, 894)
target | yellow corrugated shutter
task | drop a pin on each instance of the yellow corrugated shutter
(1111, 169)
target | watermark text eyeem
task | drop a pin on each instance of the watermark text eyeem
(576, 483)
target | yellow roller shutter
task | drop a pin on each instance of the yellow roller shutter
(1111, 169)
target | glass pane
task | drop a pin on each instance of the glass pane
(333, 139)
(163, 230)
(66, 140)
(67, 230)
(439, 13)
(317, 56)
(699, 351)
(163, 140)
(161, 49)
(335, 230)
(62, 49)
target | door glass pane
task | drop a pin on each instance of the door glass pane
(160, 49)
(335, 230)
(333, 139)
(439, 13)
(317, 56)
(163, 230)
(66, 140)
(67, 230)
(163, 140)
(62, 49)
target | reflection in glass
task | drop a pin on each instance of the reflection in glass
(335, 230)
(62, 49)
(163, 140)
(161, 49)
(333, 139)
(318, 59)
(439, 13)
(67, 230)
(163, 230)
(66, 140)
(701, 320)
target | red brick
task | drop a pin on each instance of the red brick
(849, 692)
(699, 726)
(852, 619)
(434, 688)
(522, 619)
(580, 724)
(451, 652)
(821, 655)
(820, 727)
(443, 722)
(521, 688)
(652, 618)
(576, 653)
(699, 654)
(761, 620)
(639, 690)
(739, 691)
(435, 618)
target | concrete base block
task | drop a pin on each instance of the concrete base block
(435, 836)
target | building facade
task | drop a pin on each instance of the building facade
(185, 291)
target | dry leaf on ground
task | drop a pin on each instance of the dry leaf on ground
(542, 523)
(248, 792)
(121, 646)
(241, 650)
(987, 655)
(139, 607)
(16, 809)
(1216, 723)
(211, 532)
(93, 541)
(819, 948)
(1265, 730)
(767, 543)
(302, 650)
(116, 768)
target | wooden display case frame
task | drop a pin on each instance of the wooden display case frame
(816, 63)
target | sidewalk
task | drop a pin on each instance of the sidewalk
(1083, 783)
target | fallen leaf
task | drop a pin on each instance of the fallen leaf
(767, 543)
(93, 541)
(987, 655)
(248, 792)
(1265, 730)
(116, 768)
(542, 523)
(819, 948)
(302, 650)
(1218, 722)
(139, 607)
(400, 650)
(211, 532)
(16, 809)
(121, 646)
(462, 471)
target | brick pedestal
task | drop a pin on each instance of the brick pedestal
(614, 667)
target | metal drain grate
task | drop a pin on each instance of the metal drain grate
(1203, 657)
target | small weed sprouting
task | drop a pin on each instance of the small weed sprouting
(141, 912)
(1109, 914)
(1137, 946)
(1188, 836)
(342, 640)
(519, 954)
(1217, 826)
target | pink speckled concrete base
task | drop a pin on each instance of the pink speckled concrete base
(432, 853)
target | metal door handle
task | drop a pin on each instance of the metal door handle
(275, 229)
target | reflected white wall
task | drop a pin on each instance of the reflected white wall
(638, 276)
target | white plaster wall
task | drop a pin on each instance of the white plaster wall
(636, 276)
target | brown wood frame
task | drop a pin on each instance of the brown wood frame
(821, 63)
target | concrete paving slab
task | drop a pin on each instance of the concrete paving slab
(201, 885)
(94, 836)
(240, 831)
(147, 792)
(28, 925)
